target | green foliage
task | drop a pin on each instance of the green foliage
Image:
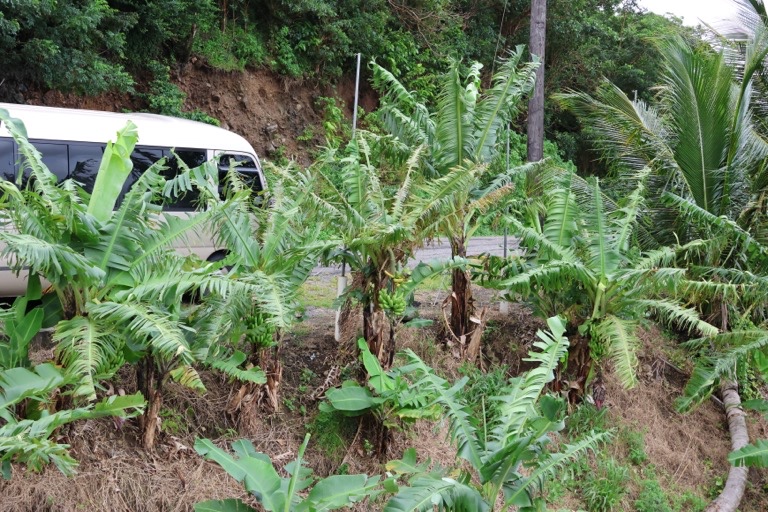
(507, 457)
(168, 99)
(163, 30)
(25, 438)
(652, 497)
(635, 442)
(232, 50)
(332, 432)
(586, 418)
(67, 44)
(480, 387)
(277, 494)
(603, 486)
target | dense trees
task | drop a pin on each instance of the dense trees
(90, 47)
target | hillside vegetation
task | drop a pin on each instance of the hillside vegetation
(616, 360)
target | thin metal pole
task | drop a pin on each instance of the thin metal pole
(357, 90)
(505, 227)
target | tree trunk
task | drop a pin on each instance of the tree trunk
(377, 334)
(536, 103)
(574, 379)
(269, 361)
(729, 499)
(462, 304)
(150, 383)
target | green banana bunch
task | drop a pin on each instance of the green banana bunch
(259, 331)
(393, 303)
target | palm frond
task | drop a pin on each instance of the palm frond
(88, 352)
(517, 401)
(147, 326)
(620, 341)
(734, 346)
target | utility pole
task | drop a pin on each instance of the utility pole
(536, 103)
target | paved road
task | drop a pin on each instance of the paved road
(441, 249)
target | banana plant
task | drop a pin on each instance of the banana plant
(20, 326)
(461, 131)
(279, 494)
(506, 463)
(378, 227)
(583, 259)
(390, 396)
(119, 283)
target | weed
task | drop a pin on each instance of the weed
(173, 422)
(635, 442)
(603, 488)
(481, 387)
(688, 502)
(307, 135)
(305, 378)
(334, 123)
(332, 431)
(652, 497)
(289, 404)
(368, 447)
(716, 487)
(586, 418)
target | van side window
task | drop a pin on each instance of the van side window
(142, 158)
(7, 162)
(245, 165)
(55, 158)
(192, 158)
(84, 162)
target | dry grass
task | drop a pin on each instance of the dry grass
(688, 451)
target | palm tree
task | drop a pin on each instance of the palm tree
(700, 140)
(710, 159)
(463, 128)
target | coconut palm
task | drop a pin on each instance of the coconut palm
(462, 128)
(700, 140)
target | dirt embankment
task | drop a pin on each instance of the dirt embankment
(279, 116)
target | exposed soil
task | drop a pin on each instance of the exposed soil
(688, 451)
(273, 113)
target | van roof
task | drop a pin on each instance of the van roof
(67, 124)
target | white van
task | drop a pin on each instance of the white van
(72, 143)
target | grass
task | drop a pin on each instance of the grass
(319, 292)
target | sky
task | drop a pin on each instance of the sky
(713, 12)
